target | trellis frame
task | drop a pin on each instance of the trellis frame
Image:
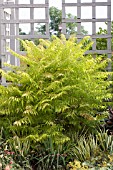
(14, 27)
(93, 20)
(15, 21)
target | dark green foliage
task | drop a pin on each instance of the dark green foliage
(102, 42)
(49, 156)
(21, 45)
(55, 18)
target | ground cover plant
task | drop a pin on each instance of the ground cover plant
(95, 152)
(14, 154)
(54, 94)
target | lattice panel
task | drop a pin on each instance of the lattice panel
(92, 20)
(9, 25)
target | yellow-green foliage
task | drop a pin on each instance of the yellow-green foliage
(95, 152)
(98, 163)
(55, 91)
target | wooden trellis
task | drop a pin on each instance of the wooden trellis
(93, 20)
(14, 21)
